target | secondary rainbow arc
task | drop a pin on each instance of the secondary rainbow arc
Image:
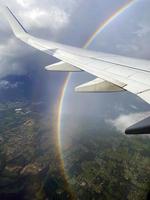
(100, 28)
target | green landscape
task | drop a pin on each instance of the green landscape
(98, 165)
(114, 167)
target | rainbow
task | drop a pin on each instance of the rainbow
(89, 41)
(60, 105)
(100, 28)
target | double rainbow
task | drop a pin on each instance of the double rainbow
(100, 28)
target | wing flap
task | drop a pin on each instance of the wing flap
(145, 96)
(98, 85)
(129, 79)
(62, 66)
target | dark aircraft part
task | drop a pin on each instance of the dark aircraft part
(142, 127)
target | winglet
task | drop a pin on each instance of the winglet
(142, 127)
(16, 26)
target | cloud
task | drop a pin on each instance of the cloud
(8, 68)
(126, 48)
(55, 19)
(49, 17)
(124, 121)
(11, 54)
(131, 33)
(25, 3)
(7, 85)
(52, 14)
(11, 47)
(143, 31)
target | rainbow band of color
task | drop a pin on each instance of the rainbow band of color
(100, 28)
(89, 41)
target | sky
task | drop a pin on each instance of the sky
(73, 22)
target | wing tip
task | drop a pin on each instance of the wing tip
(140, 128)
(16, 26)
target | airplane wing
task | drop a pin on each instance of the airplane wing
(114, 73)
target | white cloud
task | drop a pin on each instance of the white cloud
(7, 85)
(124, 121)
(14, 68)
(127, 48)
(10, 47)
(134, 107)
(25, 3)
(56, 18)
(143, 30)
(54, 14)
(10, 50)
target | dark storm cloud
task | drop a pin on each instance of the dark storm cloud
(46, 18)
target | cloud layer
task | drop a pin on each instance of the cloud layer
(7, 85)
(39, 16)
(124, 121)
(53, 14)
